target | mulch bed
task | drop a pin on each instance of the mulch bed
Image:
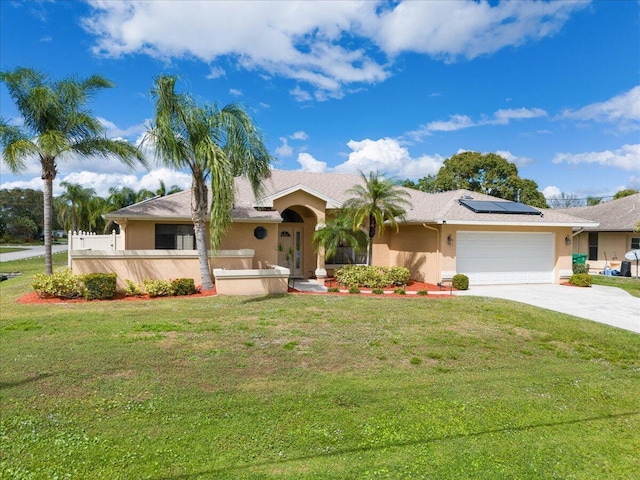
(33, 297)
(412, 286)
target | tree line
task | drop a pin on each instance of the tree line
(77, 208)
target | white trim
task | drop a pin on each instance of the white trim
(268, 201)
(496, 223)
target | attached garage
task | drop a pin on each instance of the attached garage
(490, 258)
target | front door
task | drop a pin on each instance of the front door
(290, 250)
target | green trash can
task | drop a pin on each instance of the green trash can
(579, 258)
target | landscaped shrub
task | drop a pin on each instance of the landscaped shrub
(354, 290)
(99, 286)
(333, 289)
(580, 280)
(158, 288)
(183, 286)
(61, 284)
(377, 291)
(372, 277)
(398, 275)
(132, 289)
(460, 282)
(422, 292)
(399, 291)
(580, 268)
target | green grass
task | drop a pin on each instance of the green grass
(630, 284)
(10, 249)
(312, 386)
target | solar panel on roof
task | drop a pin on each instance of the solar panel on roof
(488, 206)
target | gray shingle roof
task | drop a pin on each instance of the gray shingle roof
(429, 208)
(615, 216)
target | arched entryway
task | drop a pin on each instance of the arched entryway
(295, 241)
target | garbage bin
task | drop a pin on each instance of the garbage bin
(579, 258)
(625, 269)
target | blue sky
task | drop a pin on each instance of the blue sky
(341, 86)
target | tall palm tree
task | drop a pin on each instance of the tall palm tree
(162, 190)
(339, 232)
(57, 123)
(375, 202)
(74, 206)
(215, 145)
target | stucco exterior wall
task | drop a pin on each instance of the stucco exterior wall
(613, 244)
(240, 235)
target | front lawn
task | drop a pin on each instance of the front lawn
(630, 284)
(312, 386)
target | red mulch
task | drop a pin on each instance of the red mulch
(33, 297)
(412, 286)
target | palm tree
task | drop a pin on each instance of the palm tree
(162, 190)
(376, 201)
(57, 123)
(215, 145)
(74, 206)
(339, 232)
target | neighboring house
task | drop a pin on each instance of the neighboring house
(606, 243)
(490, 240)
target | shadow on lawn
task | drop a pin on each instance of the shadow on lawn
(18, 383)
(401, 444)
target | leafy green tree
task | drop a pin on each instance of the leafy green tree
(74, 206)
(337, 233)
(376, 201)
(591, 201)
(57, 123)
(625, 193)
(490, 174)
(162, 190)
(425, 184)
(215, 145)
(20, 202)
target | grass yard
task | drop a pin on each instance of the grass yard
(630, 284)
(303, 386)
(10, 249)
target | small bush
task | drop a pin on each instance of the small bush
(99, 286)
(580, 268)
(333, 289)
(399, 291)
(61, 284)
(132, 289)
(354, 289)
(377, 291)
(183, 286)
(580, 280)
(158, 288)
(460, 282)
(372, 277)
(422, 292)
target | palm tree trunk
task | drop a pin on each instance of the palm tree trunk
(48, 220)
(372, 234)
(199, 207)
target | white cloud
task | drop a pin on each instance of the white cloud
(113, 131)
(503, 117)
(388, 156)
(621, 108)
(300, 95)
(551, 192)
(235, 92)
(626, 157)
(284, 150)
(451, 29)
(35, 183)
(519, 161)
(300, 135)
(328, 45)
(310, 164)
(215, 72)
(460, 122)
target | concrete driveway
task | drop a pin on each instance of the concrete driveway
(609, 305)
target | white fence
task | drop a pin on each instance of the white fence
(91, 241)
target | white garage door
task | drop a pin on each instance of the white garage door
(489, 258)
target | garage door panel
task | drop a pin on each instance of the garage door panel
(505, 257)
